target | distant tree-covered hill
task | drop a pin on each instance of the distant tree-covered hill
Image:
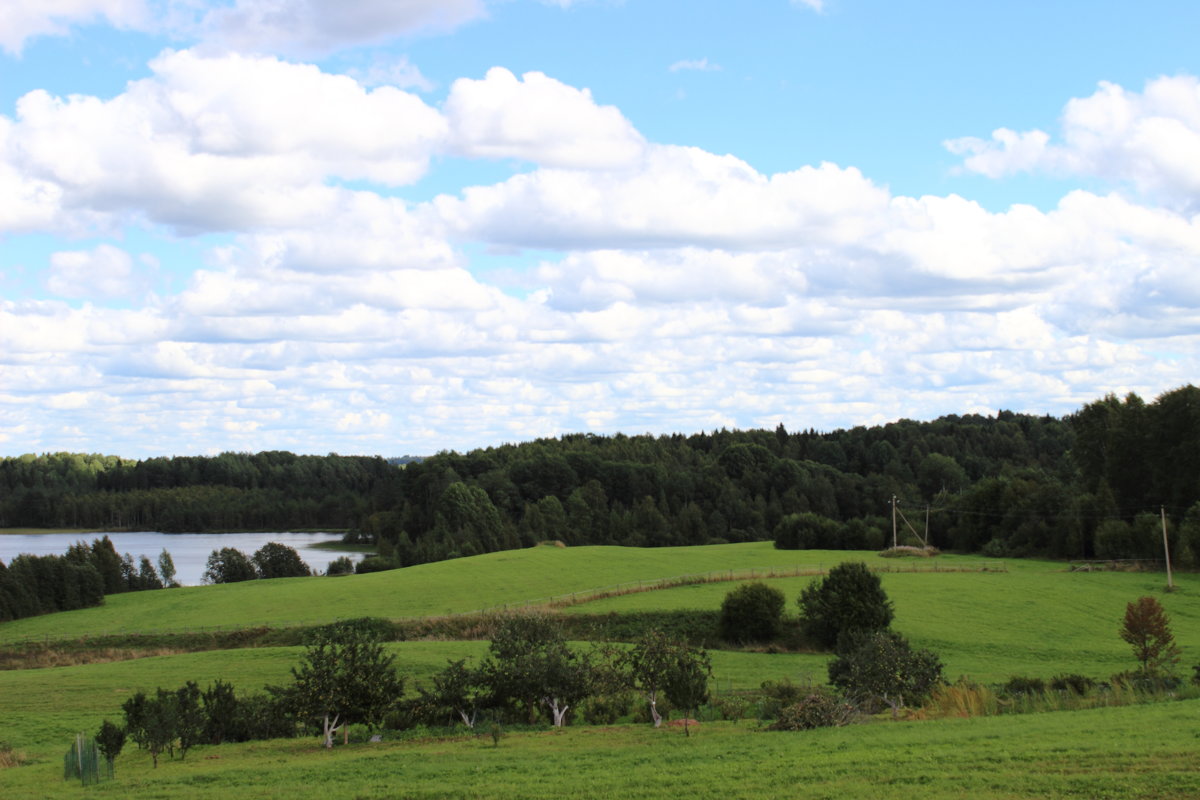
(1088, 485)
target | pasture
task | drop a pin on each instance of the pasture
(1034, 619)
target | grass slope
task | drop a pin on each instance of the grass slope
(1036, 619)
(445, 587)
(1132, 752)
(99, 689)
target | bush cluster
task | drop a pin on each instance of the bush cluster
(816, 709)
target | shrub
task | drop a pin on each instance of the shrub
(850, 598)
(1078, 684)
(752, 612)
(730, 707)
(995, 548)
(879, 668)
(1018, 685)
(605, 709)
(375, 564)
(816, 709)
(342, 565)
(1140, 681)
(778, 695)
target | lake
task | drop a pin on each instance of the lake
(189, 551)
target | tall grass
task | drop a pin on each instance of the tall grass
(966, 698)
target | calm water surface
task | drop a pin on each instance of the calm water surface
(189, 551)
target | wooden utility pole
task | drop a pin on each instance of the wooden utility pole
(893, 522)
(1166, 549)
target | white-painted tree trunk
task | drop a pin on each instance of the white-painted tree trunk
(468, 719)
(330, 725)
(559, 712)
(653, 698)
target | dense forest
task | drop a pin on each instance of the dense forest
(1095, 484)
(232, 491)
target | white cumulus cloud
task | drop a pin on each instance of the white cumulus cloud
(1149, 140)
(318, 27)
(537, 118)
(103, 272)
(221, 143)
(21, 20)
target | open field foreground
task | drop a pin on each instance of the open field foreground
(1132, 752)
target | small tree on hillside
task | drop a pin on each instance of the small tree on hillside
(153, 722)
(880, 667)
(344, 676)
(228, 565)
(752, 612)
(1148, 629)
(687, 681)
(275, 560)
(850, 598)
(166, 569)
(457, 690)
(110, 740)
(658, 665)
(531, 665)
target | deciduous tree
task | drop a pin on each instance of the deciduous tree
(849, 598)
(752, 612)
(1148, 630)
(228, 565)
(880, 667)
(344, 676)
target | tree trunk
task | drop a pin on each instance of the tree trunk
(559, 712)
(653, 698)
(468, 720)
(329, 726)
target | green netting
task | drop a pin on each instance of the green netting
(84, 763)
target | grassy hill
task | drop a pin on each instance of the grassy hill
(1035, 619)
(512, 577)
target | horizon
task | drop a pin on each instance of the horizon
(562, 435)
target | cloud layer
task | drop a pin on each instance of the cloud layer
(658, 287)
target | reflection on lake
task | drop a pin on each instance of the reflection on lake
(189, 551)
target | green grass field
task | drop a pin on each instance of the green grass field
(497, 579)
(1035, 619)
(1131, 752)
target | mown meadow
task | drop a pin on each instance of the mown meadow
(1033, 619)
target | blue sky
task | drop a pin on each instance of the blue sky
(383, 227)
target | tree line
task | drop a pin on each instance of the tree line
(231, 491)
(346, 677)
(1093, 484)
(31, 585)
(1089, 485)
